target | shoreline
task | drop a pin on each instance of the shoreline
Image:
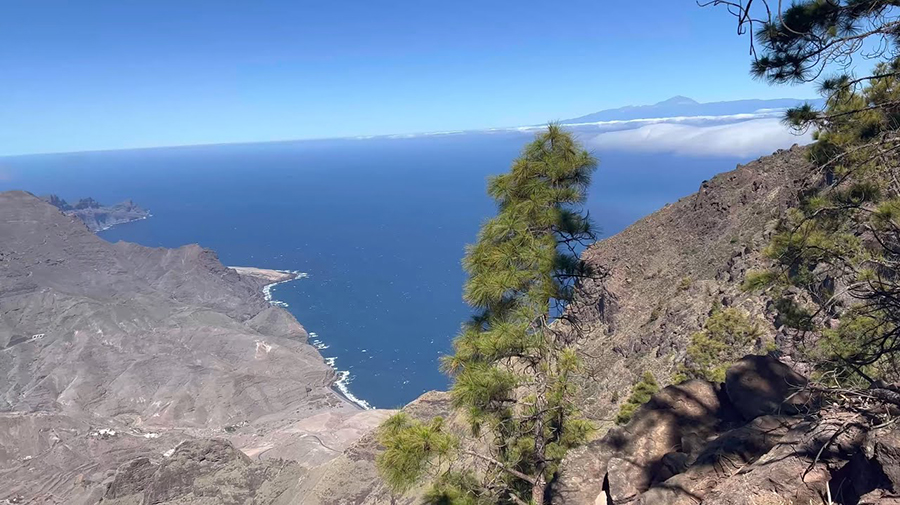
(134, 220)
(341, 386)
(269, 274)
(276, 277)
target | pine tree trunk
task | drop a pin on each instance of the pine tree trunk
(537, 491)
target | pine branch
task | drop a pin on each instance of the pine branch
(516, 499)
(501, 466)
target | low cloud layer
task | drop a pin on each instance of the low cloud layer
(756, 137)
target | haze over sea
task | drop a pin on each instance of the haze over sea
(379, 224)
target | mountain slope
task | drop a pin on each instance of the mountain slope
(667, 271)
(108, 351)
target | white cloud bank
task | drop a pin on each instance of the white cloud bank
(756, 137)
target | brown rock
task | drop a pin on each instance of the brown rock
(721, 457)
(623, 486)
(658, 439)
(788, 471)
(760, 385)
(883, 446)
(879, 497)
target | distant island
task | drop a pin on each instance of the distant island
(682, 106)
(96, 216)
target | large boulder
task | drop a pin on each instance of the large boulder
(761, 385)
(661, 438)
(720, 457)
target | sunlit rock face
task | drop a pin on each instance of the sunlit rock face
(112, 351)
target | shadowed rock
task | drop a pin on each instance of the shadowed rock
(683, 448)
(760, 385)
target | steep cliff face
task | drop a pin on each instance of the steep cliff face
(667, 271)
(109, 351)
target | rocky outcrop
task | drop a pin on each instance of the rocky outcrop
(99, 217)
(696, 443)
(202, 472)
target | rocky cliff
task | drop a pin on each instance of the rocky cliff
(666, 272)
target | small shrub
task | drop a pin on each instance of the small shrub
(727, 335)
(640, 394)
(852, 342)
(755, 280)
(685, 284)
(793, 315)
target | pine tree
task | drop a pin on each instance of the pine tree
(513, 364)
(846, 234)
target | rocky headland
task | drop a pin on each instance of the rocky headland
(98, 217)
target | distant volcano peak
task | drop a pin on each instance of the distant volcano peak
(679, 100)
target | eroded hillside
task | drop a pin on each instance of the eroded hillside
(113, 351)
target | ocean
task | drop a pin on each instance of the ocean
(379, 226)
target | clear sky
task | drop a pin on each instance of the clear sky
(90, 75)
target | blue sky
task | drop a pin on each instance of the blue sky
(94, 75)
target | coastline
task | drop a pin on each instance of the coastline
(341, 386)
(124, 222)
(276, 277)
(268, 274)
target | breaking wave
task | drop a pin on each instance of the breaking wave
(343, 376)
(342, 383)
(267, 289)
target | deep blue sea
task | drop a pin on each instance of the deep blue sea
(378, 224)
